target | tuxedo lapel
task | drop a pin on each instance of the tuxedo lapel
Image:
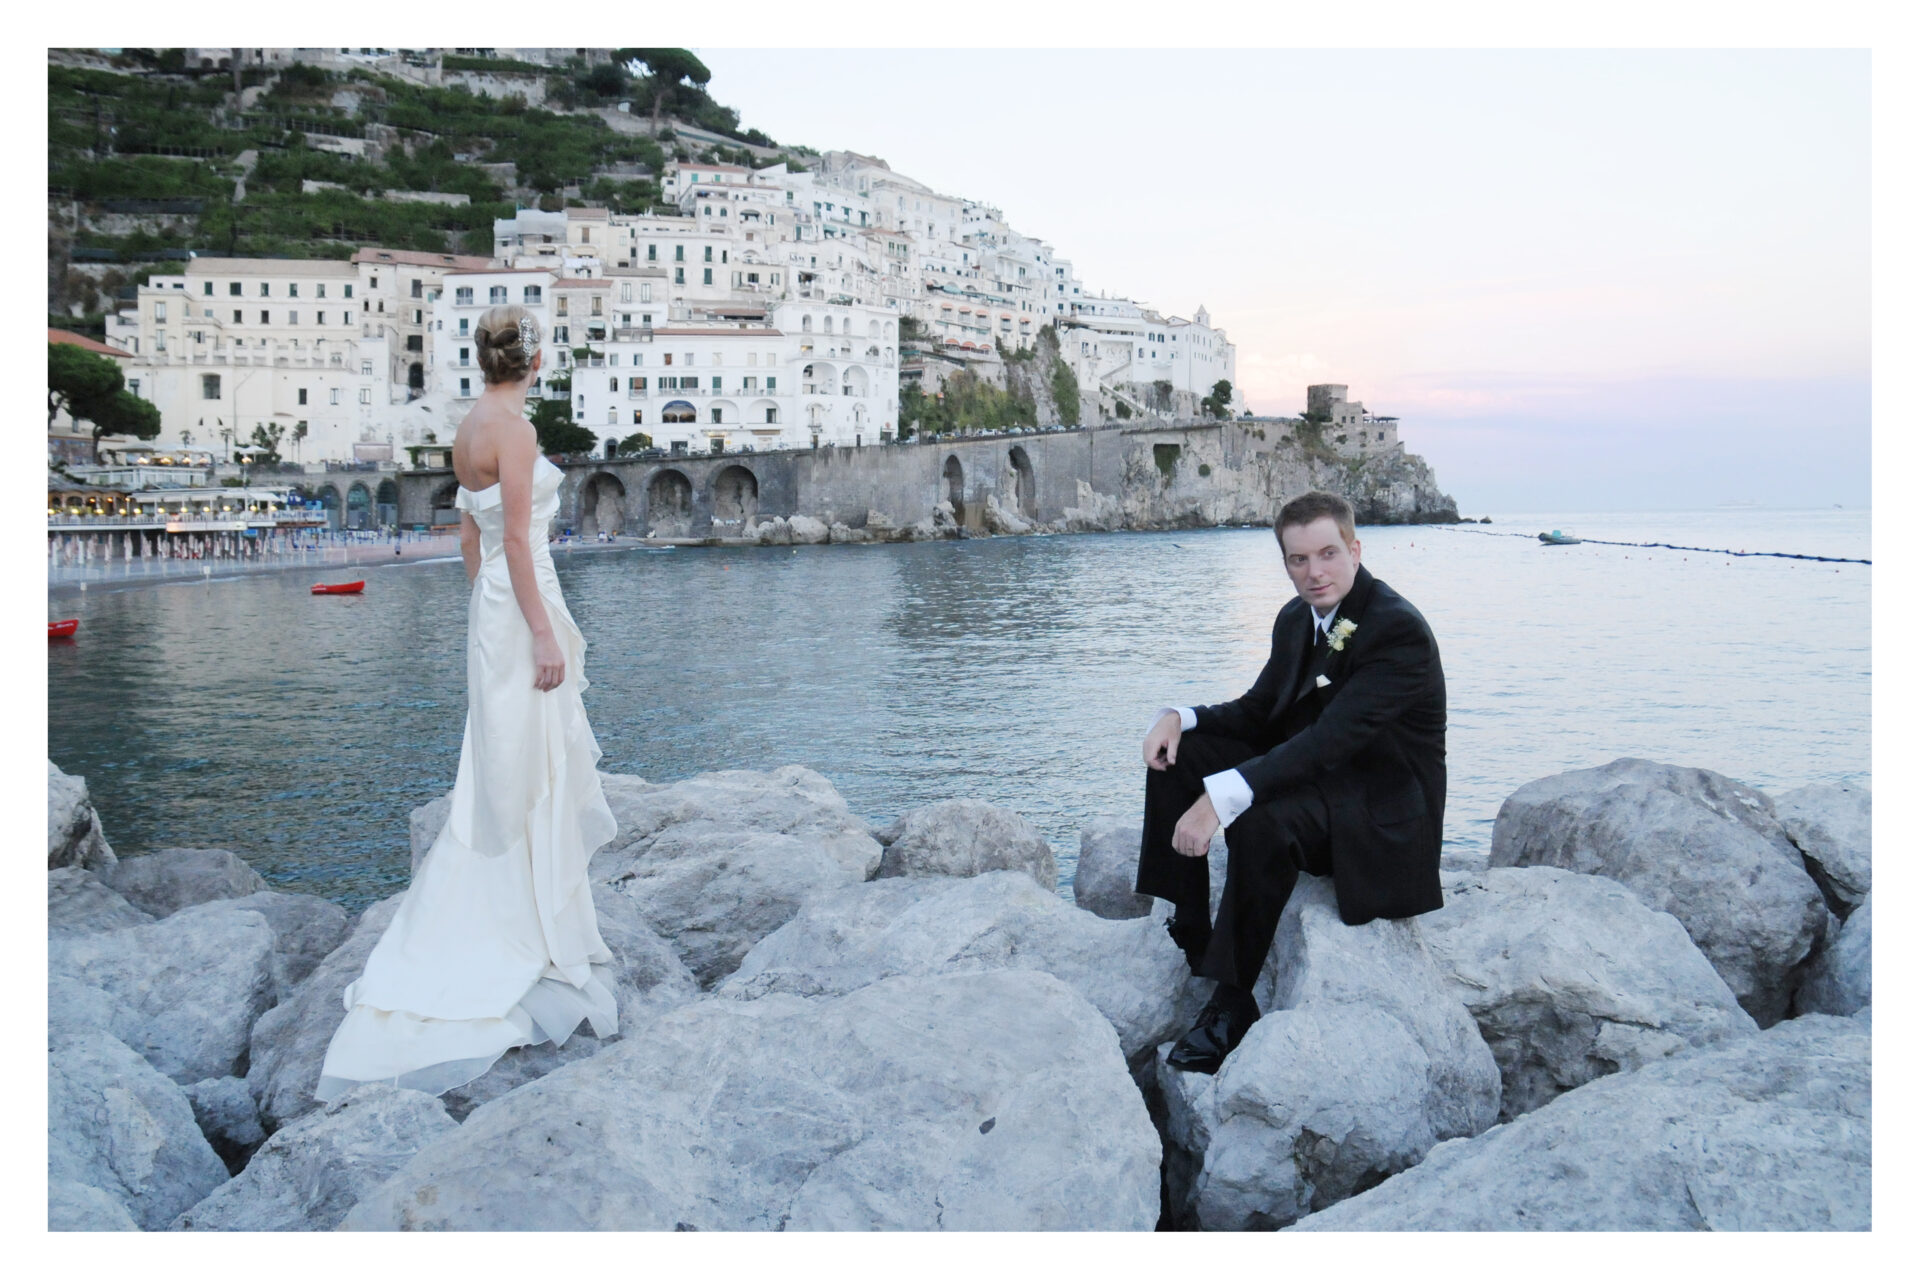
(1295, 647)
(1326, 659)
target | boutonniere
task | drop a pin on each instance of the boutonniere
(1340, 633)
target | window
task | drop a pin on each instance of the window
(626, 291)
(366, 395)
(709, 257)
(749, 383)
(653, 253)
(463, 327)
(716, 384)
(293, 317)
(300, 396)
(159, 313)
(646, 295)
(595, 304)
(706, 275)
(263, 317)
(414, 342)
(560, 334)
(416, 315)
(265, 290)
(613, 415)
(639, 418)
(465, 388)
(497, 294)
(347, 291)
(320, 317)
(133, 385)
(366, 368)
(333, 395)
(531, 295)
(416, 288)
(463, 361)
(636, 385)
(207, 288)
(160, 341)
(679, 253)
(319, 291)
(667, 357)
(679, 275)
(560, 306)
(234, 288)
(293, 290)
(463, 296)
(613, 384)
(209, 386)
(771, 381)
(773, 414)
(715, 411)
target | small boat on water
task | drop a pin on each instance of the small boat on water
(62, 630)
(1559, 539)
(338, 588)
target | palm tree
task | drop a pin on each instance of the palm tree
(299, 434)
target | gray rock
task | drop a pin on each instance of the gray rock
(647, 980)
(1000, 520)
(1768, 1132)
(306, 929)
(290, 1040)
(74, 1007)
(806, 531)
(424, 823)
(968, 1102)
(1840, 979)
(1571, 977)
(790, 801)
(843, 533)
(195, 980)
(1362, 1061)
(965, 838)
(841, 941)
(1103, 877)
(74, 1206)
(166, 880)
(119, 1126)
(310, 1173)
(225, 1111)
(80, 902)
(712, 892)
(1832, 824)
(74, 837)
(1702, 847)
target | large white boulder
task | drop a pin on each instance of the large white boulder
(74, 837)
(1840, 979)
(1702, 847)
(791, 801)
(1109, 861)
(306, 1176)
(80, 902)
(192, 984)
(1768, 1132)
(118, 1126)
(963, 1102)
(306, 929)
(806, 530)
(965, 838)
(162, 882)
(1832, 824)
(841, 941)
(75, 1206)
(1571, 977)
(1363, 1059)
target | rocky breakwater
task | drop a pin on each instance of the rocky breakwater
(824, 1025)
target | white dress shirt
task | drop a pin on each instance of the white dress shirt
(1227, 789)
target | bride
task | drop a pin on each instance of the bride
(496, 944)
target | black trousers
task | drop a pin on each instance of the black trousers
(1268, 847)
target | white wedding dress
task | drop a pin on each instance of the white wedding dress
(495, 944)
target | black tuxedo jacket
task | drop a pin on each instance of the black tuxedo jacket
(1374, 739)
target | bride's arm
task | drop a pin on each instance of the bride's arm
(519, 449)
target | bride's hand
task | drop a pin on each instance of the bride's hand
(549, 663)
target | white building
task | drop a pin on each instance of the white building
(235, 345)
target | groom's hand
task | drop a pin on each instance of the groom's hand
(1162, 746)
(1194, 832)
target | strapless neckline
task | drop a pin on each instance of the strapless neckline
(540, 458)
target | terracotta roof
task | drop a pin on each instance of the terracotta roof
(81, 340)
(416, 258)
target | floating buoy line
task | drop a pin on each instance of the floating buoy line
(1669, 546)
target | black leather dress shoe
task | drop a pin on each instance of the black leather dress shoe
(1221, 1026)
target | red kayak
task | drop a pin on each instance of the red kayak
(61, 630)
(338, 588)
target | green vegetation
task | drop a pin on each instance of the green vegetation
(557, 432)
(1065, 387)
(501, 66)
(967, 403)
(91, 389)
(1120, 409)
(1205, 470)
(633, 444)
(1164, 458)
(1217, 403)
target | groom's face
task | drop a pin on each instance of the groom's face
(1320, 561)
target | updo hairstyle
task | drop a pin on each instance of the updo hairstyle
(503, 358)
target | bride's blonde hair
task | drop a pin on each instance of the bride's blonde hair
(505, 355)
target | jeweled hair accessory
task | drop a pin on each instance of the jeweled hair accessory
(528, 336)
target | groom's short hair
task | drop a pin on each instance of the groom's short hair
(1311, 506)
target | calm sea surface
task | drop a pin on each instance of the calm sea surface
(299, 731)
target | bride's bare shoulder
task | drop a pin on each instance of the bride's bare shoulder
(487, 439)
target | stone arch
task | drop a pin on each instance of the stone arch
(359, 506)
(955, 477)
(873, 328)
(1024, 490)
(853, 382)
(819, 378)
(331, 503)
(670, 503)
(678, 411)
(890, 333)
(386, 503)
(602, 505)
(736, 494)
(608, 448)
(729, 412)
(763, 411)
(806, 324)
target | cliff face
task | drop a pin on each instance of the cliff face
(1242, 471)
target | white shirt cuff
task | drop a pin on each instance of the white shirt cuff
(1187, 718)
(1230, 794)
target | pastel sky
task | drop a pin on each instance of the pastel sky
(1583, 279)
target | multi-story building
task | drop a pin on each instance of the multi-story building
(463, 298)
(238, 345)
(396, 287)
(1348, 424)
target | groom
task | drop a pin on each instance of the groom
(1334, 763)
